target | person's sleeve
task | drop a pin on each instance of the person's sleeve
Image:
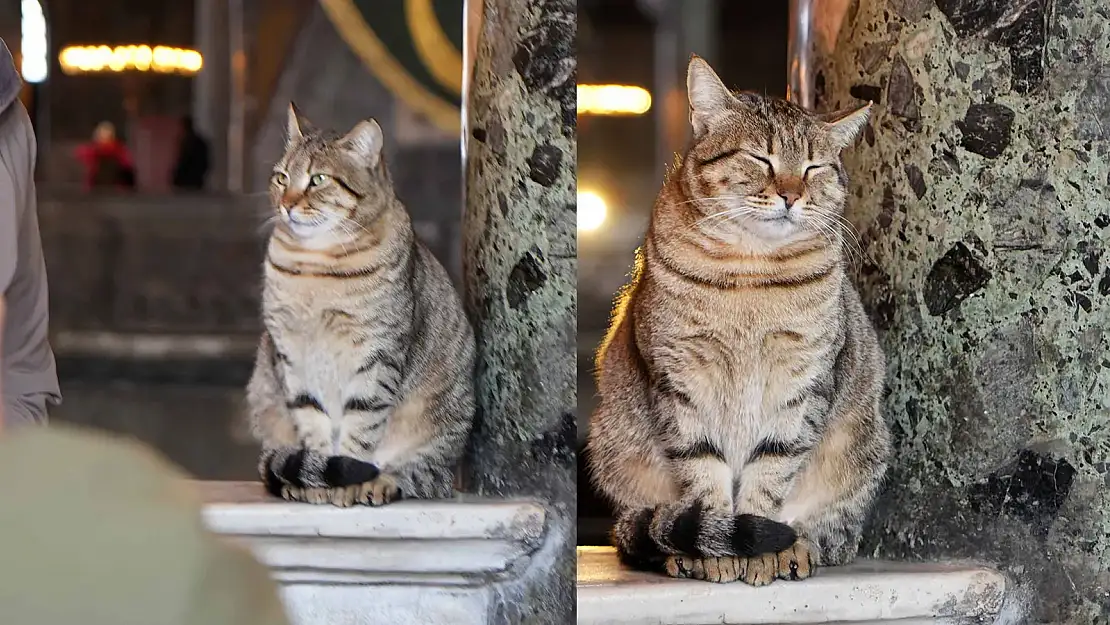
(9, 228)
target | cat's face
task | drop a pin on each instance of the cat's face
(761, 166)
(326, 187)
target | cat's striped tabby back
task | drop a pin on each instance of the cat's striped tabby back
(738, 430)
(362, 391)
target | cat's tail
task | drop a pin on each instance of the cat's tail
(645, 537)
(300, 468)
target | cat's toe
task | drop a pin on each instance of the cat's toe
(717, 570)
(681, 567)
(317, 495)
(760, 570)
(346, 496)
(723, 570)
(292, 493)
(380, 491)
(798, 562)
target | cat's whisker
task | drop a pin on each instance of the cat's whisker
(727, 214)
(848, 229)
(713, 199)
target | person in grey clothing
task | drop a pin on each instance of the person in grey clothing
(28, 380)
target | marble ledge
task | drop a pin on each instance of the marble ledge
(457, 542)
(864, 592)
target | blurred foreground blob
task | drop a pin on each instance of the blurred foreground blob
(100, 531)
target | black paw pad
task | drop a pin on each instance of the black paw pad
(344, 471)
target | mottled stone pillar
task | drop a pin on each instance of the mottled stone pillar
(980, 192)
(520, 278)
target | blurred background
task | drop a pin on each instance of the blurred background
(632, 118)
(153, 232)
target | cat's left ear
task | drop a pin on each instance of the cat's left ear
(844, 126)
(365, 139)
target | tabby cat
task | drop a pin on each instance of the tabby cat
(738, 429)
(362, 389)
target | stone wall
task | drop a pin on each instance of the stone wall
(980, 192)
(520, 275)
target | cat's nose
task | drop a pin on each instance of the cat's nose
(789, 197)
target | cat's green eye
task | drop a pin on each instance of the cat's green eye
(317, 180)
(280, 178)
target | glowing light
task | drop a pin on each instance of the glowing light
(613, 100)
(33, 44)
(160, 59)
(591, 211)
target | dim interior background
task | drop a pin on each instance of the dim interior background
(621, 158)
(155, 290)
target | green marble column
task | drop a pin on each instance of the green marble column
(520, 274)
(982, 197)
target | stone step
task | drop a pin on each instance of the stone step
(864, 592)
(412, 562)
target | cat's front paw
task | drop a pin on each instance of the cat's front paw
(718, 570)
(797, 562)
(377, 492)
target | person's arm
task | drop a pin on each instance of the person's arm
(9, 254)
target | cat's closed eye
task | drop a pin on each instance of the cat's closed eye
(813, 169)
(762, 160)
(720, 157)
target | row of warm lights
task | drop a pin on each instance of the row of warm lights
(161, 59)
(613, 100)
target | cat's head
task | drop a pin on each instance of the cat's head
(762, 166)
(326, 187)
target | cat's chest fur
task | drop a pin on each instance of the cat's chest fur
(742, 357)
(322, 344)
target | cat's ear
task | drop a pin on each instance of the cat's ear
(844, 126)
(709, 97)
(365, 139)
(295, 125)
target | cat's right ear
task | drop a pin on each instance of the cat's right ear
(293, 132)
(709, 97)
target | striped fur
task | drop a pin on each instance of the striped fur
(363, 386)
(740, 379)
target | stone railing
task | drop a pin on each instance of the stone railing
(456, 562)
(864, 592)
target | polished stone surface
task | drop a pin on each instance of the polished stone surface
(864, 592)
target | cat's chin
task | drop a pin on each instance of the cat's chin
(781, 230)
(320, 236)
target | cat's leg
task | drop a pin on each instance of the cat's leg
(768, 477)
(420, 445)
(708, 539)
(835, 492)
(291, 431)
